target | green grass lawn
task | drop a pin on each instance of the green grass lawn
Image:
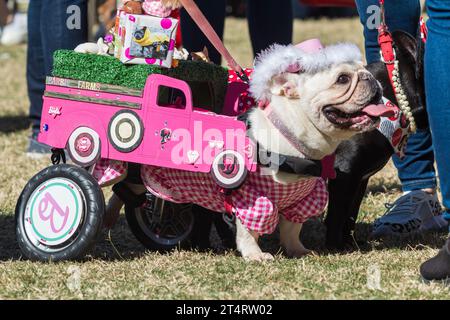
(137, 274)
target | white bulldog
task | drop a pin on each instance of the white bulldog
(313, 98)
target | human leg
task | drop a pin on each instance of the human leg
(193, 38)
(437, 82)
(52, 26)
(269, 22)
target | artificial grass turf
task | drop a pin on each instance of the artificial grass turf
(109, 70)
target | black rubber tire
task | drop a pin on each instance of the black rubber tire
(154, 244)
(92, 223)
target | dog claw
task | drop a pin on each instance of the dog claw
(260, 257)
(299, 253)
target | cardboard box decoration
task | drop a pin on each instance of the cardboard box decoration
(143, 39)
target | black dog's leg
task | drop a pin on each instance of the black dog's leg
(224, 231)
(203, 220)
(344, 193)
(349, 225)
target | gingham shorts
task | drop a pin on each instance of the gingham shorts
(257, 203)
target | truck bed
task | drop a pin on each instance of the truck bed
(108, 70)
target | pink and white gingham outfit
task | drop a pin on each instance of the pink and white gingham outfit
(257, 203)
(108, 172)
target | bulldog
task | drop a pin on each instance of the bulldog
(311, 99)
(364, 155)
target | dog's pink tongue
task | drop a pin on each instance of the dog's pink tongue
(378, 110)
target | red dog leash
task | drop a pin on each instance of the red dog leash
(386, 43)
(388, 56)
(204, 25)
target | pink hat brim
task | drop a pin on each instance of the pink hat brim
(310, 46)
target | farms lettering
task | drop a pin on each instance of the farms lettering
(89, 86)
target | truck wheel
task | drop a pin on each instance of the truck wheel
(84, 146)
(59, 214)
(228, 169)
(160, 225)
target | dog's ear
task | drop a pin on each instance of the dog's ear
(206, 51)
(285, 84)
(406, 44)
(420, 56)
(410, 55)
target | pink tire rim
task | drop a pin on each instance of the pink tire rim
(84, 146)
(228, 169)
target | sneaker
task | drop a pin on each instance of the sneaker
(37, 150)
(15, 32)
(414, 212)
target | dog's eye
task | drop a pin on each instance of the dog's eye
(343, 79)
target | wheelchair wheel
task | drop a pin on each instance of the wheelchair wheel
(59, 214)
(160, 225)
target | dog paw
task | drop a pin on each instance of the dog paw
(260, 257)
(298, 252)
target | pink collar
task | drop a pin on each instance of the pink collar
(327, 162)
(286, 133)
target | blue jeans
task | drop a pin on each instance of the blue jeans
(48, 32)
(416, 170)
(437, 84)
(266, 28)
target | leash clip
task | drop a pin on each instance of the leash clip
(388, 61)
(57, 156)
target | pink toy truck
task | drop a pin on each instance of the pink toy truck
(158, 126)
(60, 211)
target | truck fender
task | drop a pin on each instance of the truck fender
(89, 120)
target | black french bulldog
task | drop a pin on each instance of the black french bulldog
(364, 155)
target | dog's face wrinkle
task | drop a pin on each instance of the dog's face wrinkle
(351, 87)
(375, 94)
(343, 115)
(341, 97)
(348, 114)
(305, 117)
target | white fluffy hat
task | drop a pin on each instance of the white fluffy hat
(308, 57)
